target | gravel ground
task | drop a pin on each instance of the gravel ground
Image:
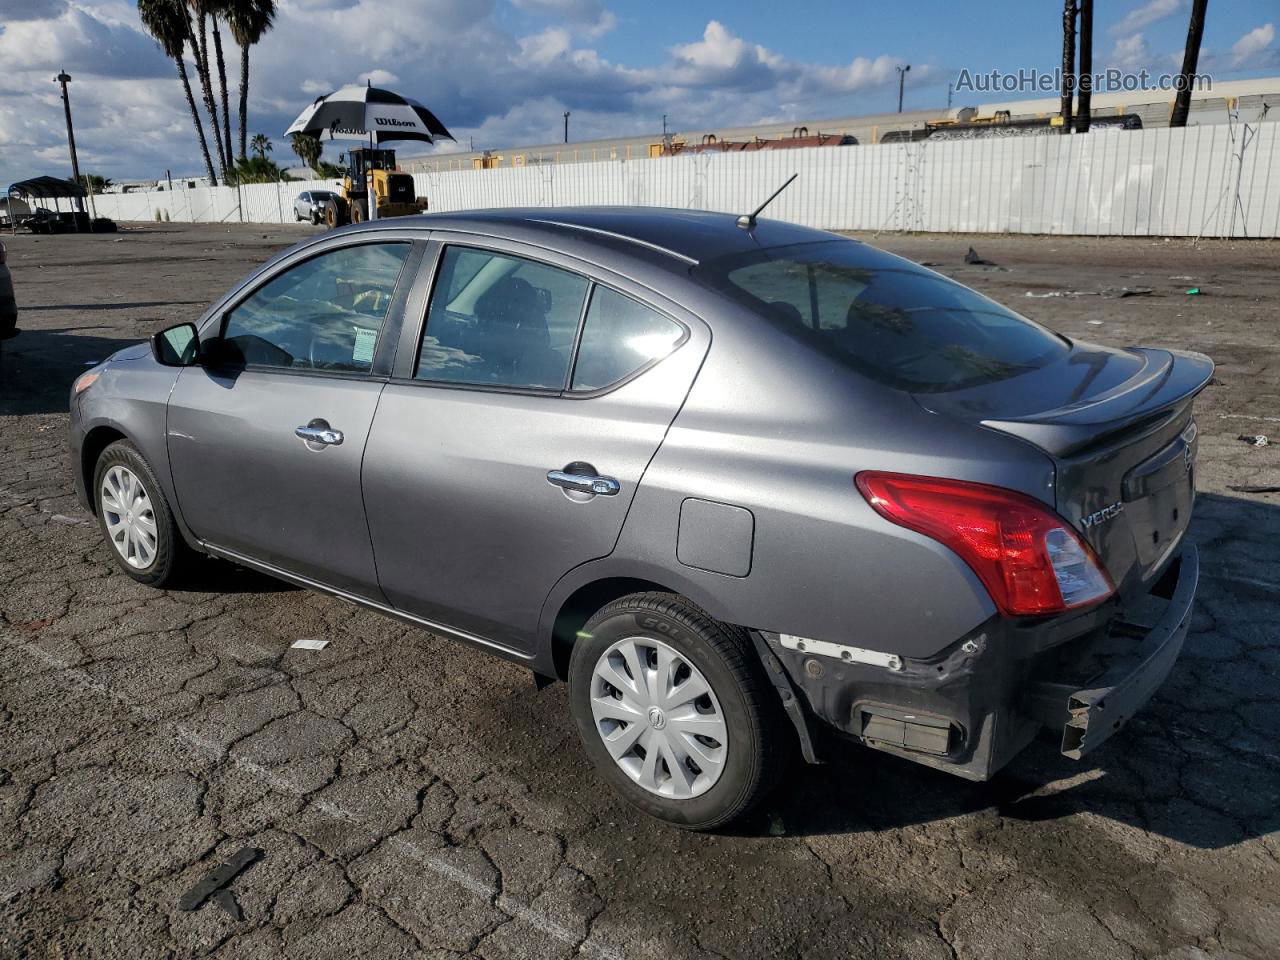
(414, 798)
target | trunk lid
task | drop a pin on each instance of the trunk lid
(1118, 426)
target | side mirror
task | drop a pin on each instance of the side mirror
(177, 346)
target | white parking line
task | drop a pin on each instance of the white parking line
(281, 784)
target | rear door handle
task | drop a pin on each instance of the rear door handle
(319, 431)
(585, 483)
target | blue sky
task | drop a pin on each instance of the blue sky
(503, 71)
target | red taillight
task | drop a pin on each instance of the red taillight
(1029, 559)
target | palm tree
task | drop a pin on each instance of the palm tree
(215, 7)
(200, 51)
(1085, 111)
(1068, 61)
(308, 148)
(261, 145)
(248, 21)
(1190, 57)
(167, 21)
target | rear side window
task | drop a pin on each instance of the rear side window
(326, 313)
(885, 317)
(499, 320)
(620, 336)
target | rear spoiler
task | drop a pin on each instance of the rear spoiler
(1169, 379)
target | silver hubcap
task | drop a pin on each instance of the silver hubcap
(131, 523)
(659, 718)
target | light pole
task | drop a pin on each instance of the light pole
(64, 78)
(664, 126)
(902, 79)
(566, 126)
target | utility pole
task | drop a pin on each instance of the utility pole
(950, 85)
(902, 79)
(64, 78)
(664, 126)
(566, 126)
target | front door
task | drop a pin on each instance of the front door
(266, 439)
(497, 463)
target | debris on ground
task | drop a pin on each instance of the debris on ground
(1117, 293)
(215, 884)
(1258, 440)
(973, 258)
(1107, 293)
(1194, 292)
(1254, 487)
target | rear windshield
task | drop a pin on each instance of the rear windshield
(885, 317)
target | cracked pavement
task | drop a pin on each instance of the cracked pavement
(417, 798)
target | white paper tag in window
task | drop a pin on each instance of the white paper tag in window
(366, 340)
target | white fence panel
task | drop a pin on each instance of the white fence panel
(1213, 180)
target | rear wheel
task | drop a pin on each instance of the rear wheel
(135, 518)
(674, 710)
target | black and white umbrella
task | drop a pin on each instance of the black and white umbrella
(368, 113)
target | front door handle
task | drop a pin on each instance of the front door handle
(319, 431)
(585, 483)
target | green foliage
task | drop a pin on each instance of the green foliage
(256, 170)
(261, 145)
(94, 183)
(307, 148)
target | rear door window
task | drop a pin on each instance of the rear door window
(619, 337)
(887, 318)
(326, 313)
(501, 320)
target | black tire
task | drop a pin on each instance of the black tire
(172, 557)
(759, 743)
(315, 218)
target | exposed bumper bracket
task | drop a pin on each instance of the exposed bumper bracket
(1088, 717)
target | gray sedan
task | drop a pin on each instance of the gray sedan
(749, 488)
(310, 205)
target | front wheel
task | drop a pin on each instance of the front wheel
(135, 518)
(675, 711)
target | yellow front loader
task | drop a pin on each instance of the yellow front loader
(393, 192)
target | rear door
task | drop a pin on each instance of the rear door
(508, 446)
(266, 438)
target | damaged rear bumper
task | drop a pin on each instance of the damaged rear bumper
(975, 707)
(1088, 716)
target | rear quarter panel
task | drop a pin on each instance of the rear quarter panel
(780, 431)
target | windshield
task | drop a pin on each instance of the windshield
(884, 316)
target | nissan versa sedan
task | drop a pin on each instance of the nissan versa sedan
(749, 488)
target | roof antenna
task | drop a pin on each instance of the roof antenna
(748, 220)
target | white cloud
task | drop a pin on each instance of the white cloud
(1251, 44)
(1130, 53)
(459, 57)
(1147, 14)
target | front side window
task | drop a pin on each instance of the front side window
(885, 317)
(499, 320)
(324, 314)
(619, 337)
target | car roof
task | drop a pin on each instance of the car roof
(682, 236)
